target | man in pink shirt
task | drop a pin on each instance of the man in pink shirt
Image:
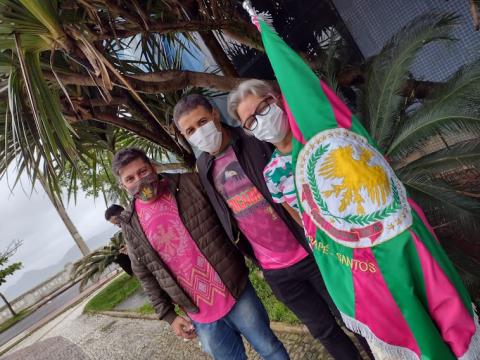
(181, 255)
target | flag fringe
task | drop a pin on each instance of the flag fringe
(380, 349)
(267, 18)
(255, 16)
(383, 351)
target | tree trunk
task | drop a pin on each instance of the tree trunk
(156, 82)
(62, 212)
(218, 54)
(8, 305)
(156, 137)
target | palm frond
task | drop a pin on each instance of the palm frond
(34, 139)
(444, 202)
(450, 111)
(390, 69)
(439, 189)
(124, 139)
(465, 154)
(468, 267)
(92, 266)
(449, 223)
(332, 43)
(34, 21)
(45, 11)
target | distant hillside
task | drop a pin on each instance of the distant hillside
(34, 277)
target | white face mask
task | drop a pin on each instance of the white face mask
(207, 138)
(272, 127)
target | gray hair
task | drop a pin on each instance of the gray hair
(188, 103)
(255, 87)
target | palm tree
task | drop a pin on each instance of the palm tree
(433, 144)
(62, 212)
(7, 270)
(76, 69)
(92, 266)
(52, 127)
(65, 69)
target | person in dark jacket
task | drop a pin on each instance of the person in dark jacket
(181, 255)
(112, 215)
(231, 170)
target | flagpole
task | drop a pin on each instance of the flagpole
(247, 5)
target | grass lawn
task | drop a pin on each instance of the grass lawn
(275, 309)
(115, 293)
(146, 309)
(123, 287)
(13, 320)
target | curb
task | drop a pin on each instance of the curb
(287, 328)
(274, 325)
(125, 314)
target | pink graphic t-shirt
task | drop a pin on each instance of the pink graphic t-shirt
(273, 243)
(167, 234)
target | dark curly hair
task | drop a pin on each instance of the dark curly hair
(113, 210)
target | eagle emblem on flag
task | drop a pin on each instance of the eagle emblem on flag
(348, 189)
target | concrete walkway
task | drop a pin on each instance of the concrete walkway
(103, 337)
(134, 301)
(73, 335)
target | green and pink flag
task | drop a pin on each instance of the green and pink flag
(381, 261)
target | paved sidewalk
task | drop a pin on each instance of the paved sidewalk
(100, 337)
(73, 335)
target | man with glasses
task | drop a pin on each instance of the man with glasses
(231, 170)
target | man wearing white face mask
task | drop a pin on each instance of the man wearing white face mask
(231, 170)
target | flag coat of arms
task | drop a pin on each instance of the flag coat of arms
(381, 262)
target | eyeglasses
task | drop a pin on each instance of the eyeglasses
(262, 109)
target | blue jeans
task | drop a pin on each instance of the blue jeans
(222, 338)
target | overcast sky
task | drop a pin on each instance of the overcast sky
(33, 219)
